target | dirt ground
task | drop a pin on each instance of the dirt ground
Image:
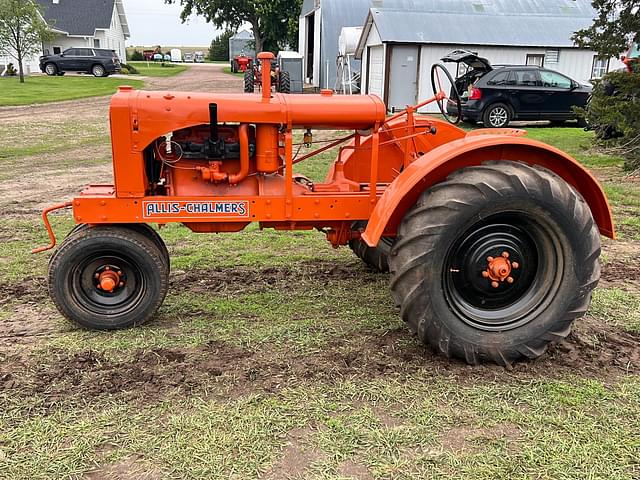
(594, 350)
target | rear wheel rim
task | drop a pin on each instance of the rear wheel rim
(536, 281)
(98, 71)
(498, 117)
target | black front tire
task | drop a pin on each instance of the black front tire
(497, 115)
(376, 257)
(445, 240)
(85, 254)
(51, 69)
(285, 82)
(249, 82)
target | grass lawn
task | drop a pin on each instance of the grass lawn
(42, 89)
(275, 356)
(155, 69)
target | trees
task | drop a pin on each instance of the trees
(615, 27)
(274, 22)
(22, 30)
(219, 49)
(614, 110)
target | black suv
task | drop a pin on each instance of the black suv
(496, 95)
(99, 62)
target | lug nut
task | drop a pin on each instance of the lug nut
(510, 280)
(495, 284)
(485, 274)
(505, 254)
(515, 265)
(96, 276)
(121, 284)
(489, 259)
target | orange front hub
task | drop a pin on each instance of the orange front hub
(499, 269)
(109, 279)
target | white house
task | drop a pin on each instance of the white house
(398, 46)
(81, 23)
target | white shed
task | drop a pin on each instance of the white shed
(399, 46)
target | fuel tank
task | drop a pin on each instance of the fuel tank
(152, 113)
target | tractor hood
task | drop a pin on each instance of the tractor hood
(468, 58)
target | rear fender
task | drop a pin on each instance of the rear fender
(439, 163)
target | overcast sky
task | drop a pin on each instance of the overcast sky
(152, 22)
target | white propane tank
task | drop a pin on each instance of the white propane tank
(348, 41)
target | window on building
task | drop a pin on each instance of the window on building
(96, 43)
(57, 50)
(535, 59)
(600, 67)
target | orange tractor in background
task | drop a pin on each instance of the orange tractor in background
(491, 239)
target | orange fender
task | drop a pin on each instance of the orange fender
(436, 165)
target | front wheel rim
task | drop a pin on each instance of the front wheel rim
(123, 299)
(475, 299)
(50, 69)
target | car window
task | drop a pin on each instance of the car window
(499, 78)
(71, 52)
(554, 79)
(524, 78)
(85, 52)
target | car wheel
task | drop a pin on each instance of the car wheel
(98, 71)
(497, 115)
(51, 69)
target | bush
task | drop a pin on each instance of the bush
(124, 71)
(136, 56)
(614, 114)
(130, 69)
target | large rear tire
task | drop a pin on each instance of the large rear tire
(376, 257)
(108, 277)
(249, 82)
(499, 218)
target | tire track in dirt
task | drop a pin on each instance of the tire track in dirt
(593, 350)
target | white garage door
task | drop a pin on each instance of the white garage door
(376, 70)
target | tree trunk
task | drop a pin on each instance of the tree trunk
(20, 66)
(255, 27)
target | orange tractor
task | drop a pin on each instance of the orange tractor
(491, 239)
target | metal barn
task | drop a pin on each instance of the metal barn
(242, 42)
(398, 46)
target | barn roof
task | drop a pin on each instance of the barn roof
(243, 35)
(531, 23)
(82, 17)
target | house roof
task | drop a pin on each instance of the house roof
(476, 22)
(82, 17)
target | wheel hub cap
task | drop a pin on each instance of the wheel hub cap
(499, 269)
(108, 278)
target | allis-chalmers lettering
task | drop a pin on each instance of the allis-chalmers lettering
(169, 209)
